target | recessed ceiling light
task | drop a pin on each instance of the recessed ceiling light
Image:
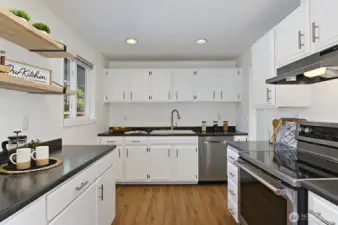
(201, 41)
(131, 41)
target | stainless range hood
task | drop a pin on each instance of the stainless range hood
(319, 67)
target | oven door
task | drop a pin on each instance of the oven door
(264, 200)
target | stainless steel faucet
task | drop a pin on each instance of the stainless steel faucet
(172, 117)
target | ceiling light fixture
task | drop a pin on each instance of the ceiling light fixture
(201, 41)
(131, 41)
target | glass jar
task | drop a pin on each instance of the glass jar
(204, 126)
(225, 126)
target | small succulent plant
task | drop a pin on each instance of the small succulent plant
(33, 144)
(21, 13)
(42, 26)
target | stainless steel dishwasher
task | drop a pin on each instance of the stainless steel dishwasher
(213, 158)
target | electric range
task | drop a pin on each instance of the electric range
(270, 186)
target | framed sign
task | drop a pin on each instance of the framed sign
(29, 72)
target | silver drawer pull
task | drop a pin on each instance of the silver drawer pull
(135, 141)
(318, 216)
(231, 174)
(232, 158)
(83, 184)
(110, 141)
(232, 192)
(232, 211)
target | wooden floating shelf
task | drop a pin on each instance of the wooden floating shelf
(22, 33)
(9, 82)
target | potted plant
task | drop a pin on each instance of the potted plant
(22, 14)
(33, 144)
(42, 27)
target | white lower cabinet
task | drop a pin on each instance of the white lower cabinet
(81, 211)
(233, 177)
(106, 200)
(321, 211)
(186, 163)
(136, 163)
(160, 167)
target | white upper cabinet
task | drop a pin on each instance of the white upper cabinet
(138, 86)
(323, 24)
(206, 82)
(228, 85)
(160, 86)
(263, 67)
(292, 36)
(116, 83)
(184, 85)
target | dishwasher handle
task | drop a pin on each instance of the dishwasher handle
(215, 142)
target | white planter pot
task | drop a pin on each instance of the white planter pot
(23, 19)
(44, 32)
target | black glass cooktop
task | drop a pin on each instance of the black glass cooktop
(295, 164)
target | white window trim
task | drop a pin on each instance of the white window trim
(90, 99)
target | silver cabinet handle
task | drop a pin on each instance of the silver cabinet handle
(232, 192)
(268, 91)
(300, 44)
(176, 94)
(110, 141)
(168, 152)
(221, 94)
(214, 94)
(215, 142)
(231, 174)
(231, 158)
(176, 152)
(82, 185)
(318, 216)
(127, 153)
(169, 95)
(314, 27)
(124, 95)
(119, 153)
(131, 95)
(135, 141)
(101, 188)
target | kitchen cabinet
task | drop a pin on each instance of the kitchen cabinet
(322, 210)
(161, 163)
(81, 211)
(184, 85)
(233, 177)
(25, 216)
(206, 82)
(324, 30)
(138, 84)
(115, 85)
(292, 36)
(160, 86)
(119, 165)
(228, 85)
(136, 163)
(106, 199)
(186, 163)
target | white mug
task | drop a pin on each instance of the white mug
(41, 155)
(23, 158)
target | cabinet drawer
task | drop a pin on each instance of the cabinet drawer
(67, 192)
(136, 140)
(232, 172)
(232, 154)
(233, 209)
(233, 191)
(324, 209)
(112, 141)
(174, 140)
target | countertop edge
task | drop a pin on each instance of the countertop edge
(320, 191)
(170, 135)
(5, 214)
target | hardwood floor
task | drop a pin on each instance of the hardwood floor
(172, 205)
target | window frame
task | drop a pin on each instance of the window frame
(89, 117)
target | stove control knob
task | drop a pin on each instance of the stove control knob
(307, 130)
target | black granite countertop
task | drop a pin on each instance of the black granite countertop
(327, 189)
(17, 191)
(232, 132)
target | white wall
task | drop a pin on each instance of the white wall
(141, 114)
(45, 113)
(158, 114)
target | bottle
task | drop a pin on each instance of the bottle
(225, 126)
(204, 126)
(3, 57)
(215, 126)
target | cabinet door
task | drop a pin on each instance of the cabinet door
(206, 82)
(323, 23)
(139, 86)
(106, 197)
(184, 85)
(160, 163)
(82, 211)
(263, 67)
(25, 216)
(160, 86)
(186, 166)
(292, 36)
(116, 85)
(136, 163)
(228, 85)
(119, 168)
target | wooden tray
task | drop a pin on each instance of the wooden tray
(11, 169)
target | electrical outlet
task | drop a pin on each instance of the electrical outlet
(25, 122)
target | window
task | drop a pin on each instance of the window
(77, 108)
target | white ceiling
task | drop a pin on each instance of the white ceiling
(167, 29)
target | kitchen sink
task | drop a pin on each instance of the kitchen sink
(164, 132)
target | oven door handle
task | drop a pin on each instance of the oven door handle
(263, 178)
